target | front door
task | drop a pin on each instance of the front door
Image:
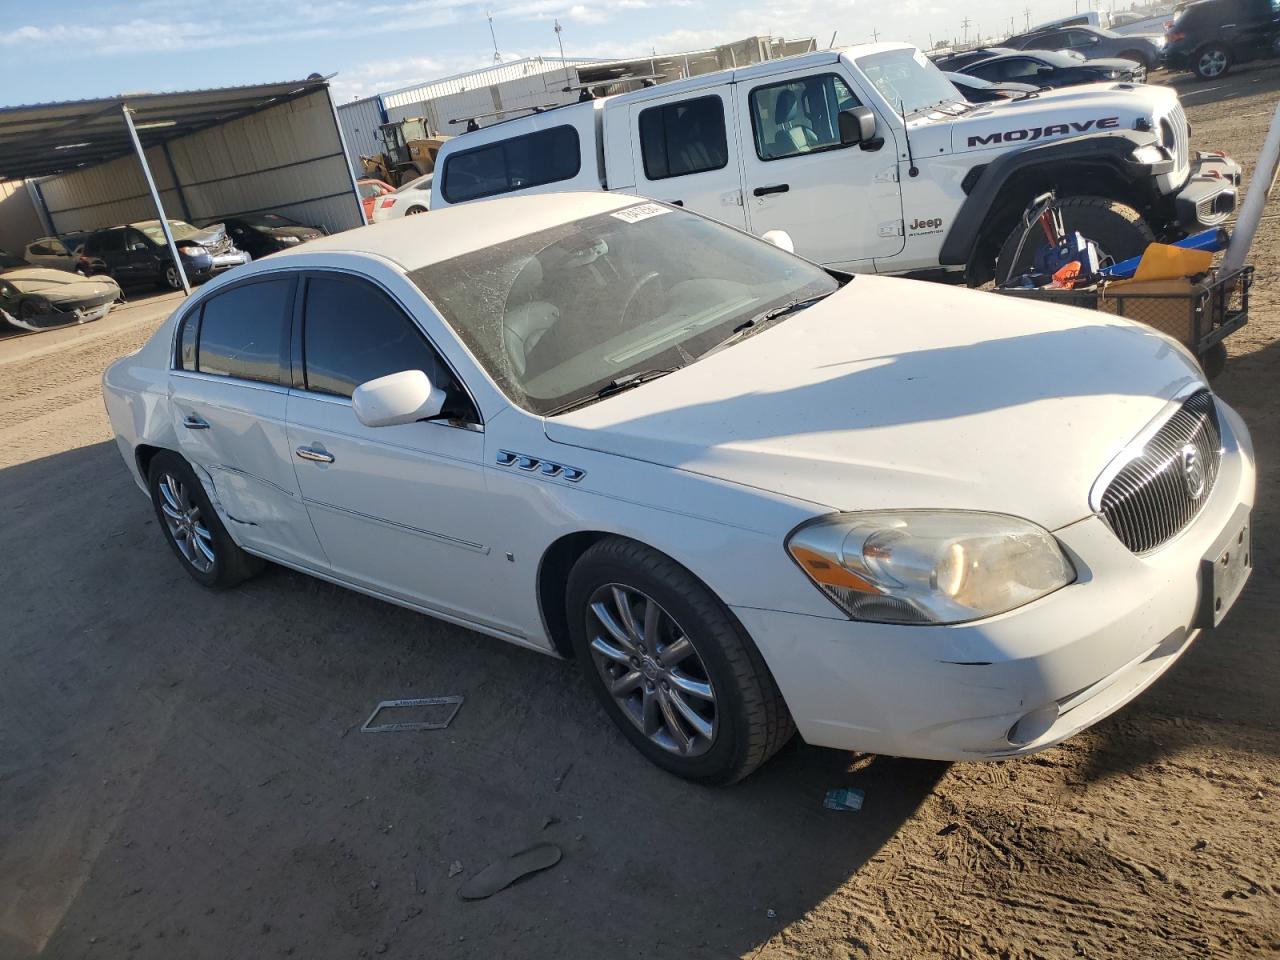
(229, 394)
(397, 509)
(841, 205)
(687, 154)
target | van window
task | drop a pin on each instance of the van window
(677, 139)
(799, 116)
(531, 160)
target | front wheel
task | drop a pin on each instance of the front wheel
(1212, 61)
(673, 669)
(414, 211)
(1118, 230)
(171, 279)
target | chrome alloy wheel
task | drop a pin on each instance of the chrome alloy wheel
(1212, 62)
(182, 515)
(651, 670)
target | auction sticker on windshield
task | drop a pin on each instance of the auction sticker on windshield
(642, 211)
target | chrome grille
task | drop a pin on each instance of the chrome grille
(1154, 495)
(1181, 139)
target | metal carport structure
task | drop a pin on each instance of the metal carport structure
(195, 155)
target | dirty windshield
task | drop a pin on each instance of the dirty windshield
(557, 316)
(908, 80)
(180, 229)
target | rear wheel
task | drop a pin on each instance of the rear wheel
(1118, 230)
(1211, 61)
(414, 211)
(672, 667)
(192, 527)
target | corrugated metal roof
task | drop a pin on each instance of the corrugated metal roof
(484, 77)
(48, 138)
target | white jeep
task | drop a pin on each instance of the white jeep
(869, 158)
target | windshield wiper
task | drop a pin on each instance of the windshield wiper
(616, 385)
(764, 319)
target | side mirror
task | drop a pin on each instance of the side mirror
(1045, 71)
(857, 125)
(403, 397)
(780, 239)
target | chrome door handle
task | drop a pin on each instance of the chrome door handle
(319, 456)
(192, 422)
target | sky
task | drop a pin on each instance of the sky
(73, 49)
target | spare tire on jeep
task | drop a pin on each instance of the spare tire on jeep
(1118, 230)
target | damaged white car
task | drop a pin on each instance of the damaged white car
(748, 495)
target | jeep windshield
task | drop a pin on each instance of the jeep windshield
(567, 315)
(909, 80)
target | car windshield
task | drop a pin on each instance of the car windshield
(909, 80)
(180, 229)
(556, 316)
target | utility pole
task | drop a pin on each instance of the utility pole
(567, 81)
(964, 25)
(1026, 12)
(875, 35)
(497, 57)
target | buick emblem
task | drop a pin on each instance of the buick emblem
(1193, 471)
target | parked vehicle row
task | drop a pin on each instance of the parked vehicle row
(1050, 69)
(737, 488)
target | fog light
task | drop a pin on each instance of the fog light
(1034, 725)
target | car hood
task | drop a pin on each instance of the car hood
(207, 236)
(899, 394)
(59, 285)
(1049, 115)
(302, 233)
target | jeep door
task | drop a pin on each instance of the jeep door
(687, 153)
(840, 204)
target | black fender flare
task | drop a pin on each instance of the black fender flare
(1112, 151)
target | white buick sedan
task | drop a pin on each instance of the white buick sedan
(747, 495)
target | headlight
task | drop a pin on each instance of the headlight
(929, 567)
(288, 239)
(1150, 153)
(1111, 75)
(192, 251)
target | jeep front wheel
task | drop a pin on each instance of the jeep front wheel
(1118, 230)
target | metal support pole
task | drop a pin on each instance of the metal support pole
(155, 198)
(342, 145)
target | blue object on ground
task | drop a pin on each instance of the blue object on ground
(844, 798)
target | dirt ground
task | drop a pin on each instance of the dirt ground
(182, 775)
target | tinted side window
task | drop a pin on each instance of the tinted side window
(532, 160)
(682, 138)
(112, 241)
(245, 332)
(352, 334)
(799, 116)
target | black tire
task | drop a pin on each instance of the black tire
(230, 564)
(1205, 61)
(169, 279)
(1214, 360)
(752, 720)
(1119, 231)
(415, 210)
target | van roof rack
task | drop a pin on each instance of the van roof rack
(473, 126)
(646, 80)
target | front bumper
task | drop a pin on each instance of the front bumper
(225, 261)
(1057, 665)
(1210, 194)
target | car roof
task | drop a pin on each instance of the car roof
(415, 242)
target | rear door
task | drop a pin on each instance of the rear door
(228, 394)
(686, 153)
(841, 205)
(108, 246)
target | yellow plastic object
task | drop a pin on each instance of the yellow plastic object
(1162, 261)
